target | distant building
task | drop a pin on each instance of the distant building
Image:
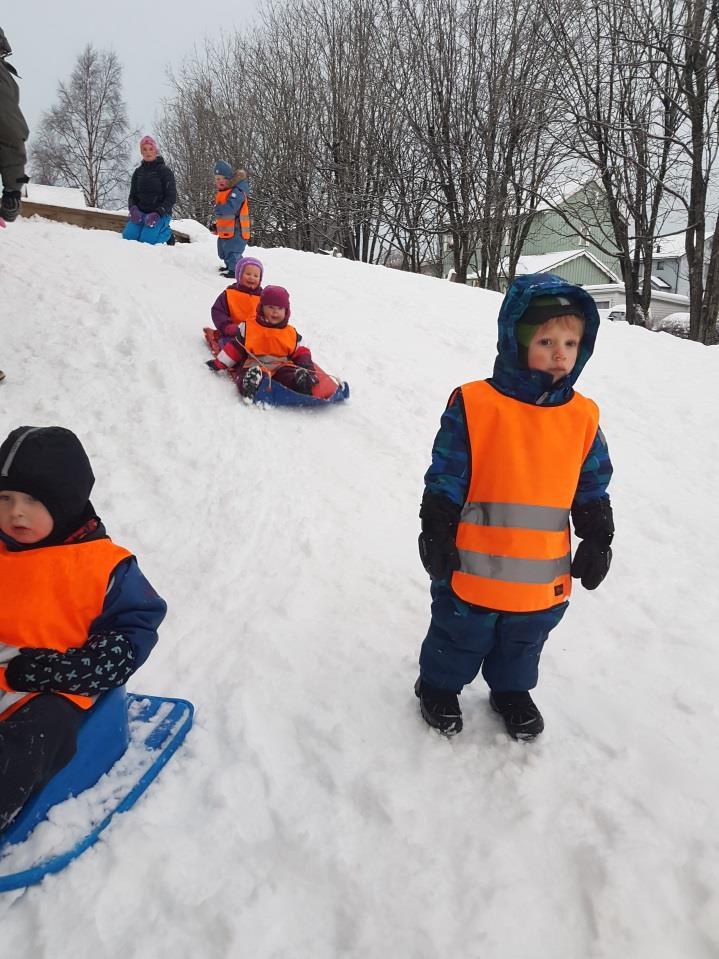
(573, 230)
(575, 266)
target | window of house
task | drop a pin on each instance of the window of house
(660, 266)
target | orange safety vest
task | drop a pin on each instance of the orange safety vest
(271, 346)
(51, 595)
(513, 534)
(225, 225)
(242, 306)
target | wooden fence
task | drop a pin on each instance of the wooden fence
(87, 219)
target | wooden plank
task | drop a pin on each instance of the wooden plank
(87, 219)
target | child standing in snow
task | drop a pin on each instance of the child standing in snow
(77, 616)
(515, 455)
(269, 343)
(231, 218)
(238, 302)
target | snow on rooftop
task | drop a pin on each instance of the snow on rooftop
(56, 195)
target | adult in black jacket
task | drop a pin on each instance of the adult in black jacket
(13, 134)
(152, 197)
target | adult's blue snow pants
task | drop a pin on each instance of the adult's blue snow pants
(160, 233)
(462, 639)
(231, 249)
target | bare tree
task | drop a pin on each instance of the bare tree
(620, 118)
(689, 49)
(83, 140)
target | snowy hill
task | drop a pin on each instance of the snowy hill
(311, 813)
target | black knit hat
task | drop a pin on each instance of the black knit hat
(545, 307)
(50, 464)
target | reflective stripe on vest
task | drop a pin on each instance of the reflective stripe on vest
(513, 534)
(270, 346)
(226, 225)
(242, 306)
(51, 596)
(244, 218)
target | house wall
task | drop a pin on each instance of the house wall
(550, 233)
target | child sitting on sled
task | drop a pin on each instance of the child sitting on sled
(77, 616)
(269, 344)
(238, 302)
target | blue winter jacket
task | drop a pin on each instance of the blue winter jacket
(450, 468)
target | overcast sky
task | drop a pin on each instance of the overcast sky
(147, 36)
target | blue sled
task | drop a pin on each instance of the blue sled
(152, 725)
(278, 395)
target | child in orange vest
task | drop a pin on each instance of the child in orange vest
(514, 457)
(231, 218)
(77, 616)
(269, 343)
(238, 302)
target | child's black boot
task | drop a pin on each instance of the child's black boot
(521, 716)
(439, 708)
(251, 381)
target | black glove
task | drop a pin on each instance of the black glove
(594, 523)
(437, 547)
(304, 379)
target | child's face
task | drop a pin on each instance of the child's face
(221, 182)
(555, 345)
(148, 151)
(250, 277)
(274, 315)
(24, 518)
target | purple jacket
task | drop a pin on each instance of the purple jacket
(221, 312)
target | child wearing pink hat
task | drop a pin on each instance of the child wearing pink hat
(152, 197)
(239, 301)
(269, 344)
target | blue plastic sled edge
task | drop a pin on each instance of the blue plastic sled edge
(156, 740)
(275, 394)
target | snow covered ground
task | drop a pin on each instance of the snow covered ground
(311, 812)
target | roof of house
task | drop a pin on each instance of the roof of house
(669, 247)
(545, 262)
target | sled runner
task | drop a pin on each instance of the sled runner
(328, 389)
(122, 746)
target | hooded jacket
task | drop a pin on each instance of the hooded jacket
(451, 468)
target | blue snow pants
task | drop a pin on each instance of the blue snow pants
(231, 249)
(160, 233)
(462, 639)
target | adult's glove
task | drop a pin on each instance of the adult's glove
(135, 214)
(594, 523)
(152, 219)
(437, 546)
(304, 379)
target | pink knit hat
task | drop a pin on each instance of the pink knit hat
(148, 140)
(274, 296)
